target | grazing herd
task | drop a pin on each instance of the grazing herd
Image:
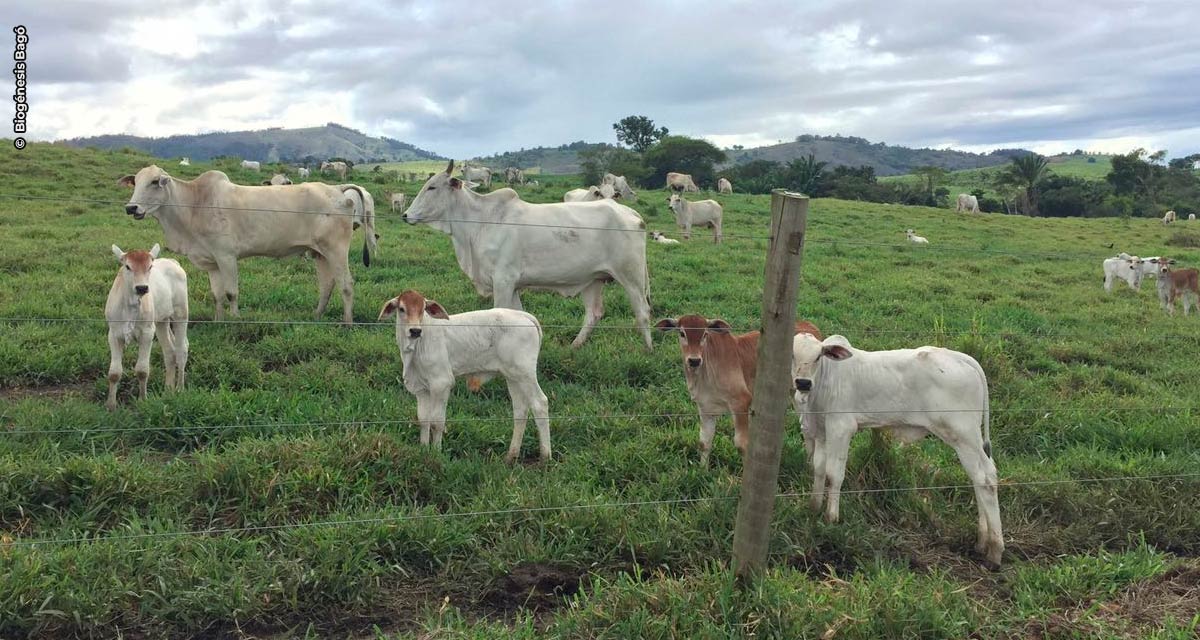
(505, 246)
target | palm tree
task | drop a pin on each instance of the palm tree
(803, 173)
(1026, 172)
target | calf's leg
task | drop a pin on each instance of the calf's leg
(116, 349)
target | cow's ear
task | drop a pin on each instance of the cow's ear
(450, 168)
(154, 251)
(835, 352)
(719, 326)
(126, 181)
(1171, 261)
(455, 183)
(388, 309)
(118, 253)
(435, 310)
(666, 324)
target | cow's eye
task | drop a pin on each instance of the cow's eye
(400, 309)
(127, 267)
(430, 188)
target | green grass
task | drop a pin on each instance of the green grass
(1079, 380)
(969, 180)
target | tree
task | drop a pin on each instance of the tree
(683, 155)
(638, 132)
(1026, 172)
(596, 162)
(931, 177)
(803, 174)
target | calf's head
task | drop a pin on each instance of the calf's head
(694, 332)
(136, 267)
(807, 352)
(151, 190)
(436, 200)
(411, 309)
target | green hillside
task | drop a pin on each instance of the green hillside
(968, 180)
(283, 493)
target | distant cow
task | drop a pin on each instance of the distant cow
(252, 165)
(278, 179)
(967, 202)
(185, 162)
(1191, 217)
(437, 348)
(720, 369)
(215, 222)
(1168, 217)
(572, 248)
(702, 213)
(513, 175)
(302, 172)
(620, 185)
(724, 186)
(338, 167)
(482, 175)
(397, 200)
(681, 182)
(658, 237)
(914, 238)
(1177, 283)
(148, 297)
(910, 393)
(591, 193)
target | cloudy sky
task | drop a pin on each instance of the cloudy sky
(466, 78)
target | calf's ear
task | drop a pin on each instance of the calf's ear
(835, 352)
(118, 253)
(154, 251)
(435, 310)
(666, 324)
(388, 309)
(125, 181)
(719, 326)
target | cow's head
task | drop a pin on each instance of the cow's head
(1164, 265)
(675, 201)
(439, 198)
(694, 332)
(136, 267)
(807, 352)
(151, 190)
(411, 310)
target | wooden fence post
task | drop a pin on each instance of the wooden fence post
(772, 388)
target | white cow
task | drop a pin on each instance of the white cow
(437, 348)
(513, 175)
(338, 167)
(658, 237)
(908, 392)
(303, 172)
(914, 238)
(215, 222)
(252, 165)
(1191, 217)
(724, 186)
(185, 162)
(506, 245)
(277, 180)
(591, 193)
(397, 201)
(621, 185)
(702, 213)
(1124, 267)
(967, 202)
(681, 182)
(482, 175)
(1168, 217)
(148, 297)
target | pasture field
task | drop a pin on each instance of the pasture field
(968, 180)
(200, 513)
(421, 167)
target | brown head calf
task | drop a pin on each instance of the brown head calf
(719, 368)
(1173, 283)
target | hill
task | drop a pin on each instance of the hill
(268, 145)
(1088, 166)
(887, 160)
(560, 160)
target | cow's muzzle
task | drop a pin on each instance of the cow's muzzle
(803, 384)
(141, 289)
(132, 209)
(694, 362)
(414, 333)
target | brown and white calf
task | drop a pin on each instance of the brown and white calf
(1177, 283)
(437, 348)
(148, 297)
(720, 368)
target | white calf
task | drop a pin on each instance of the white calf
(148, 296)
(397, 202)
(302, 172)
(914, 238)
(908, 392)
(658, 237)
(702, 213)
(1125, 267)
(437, 348)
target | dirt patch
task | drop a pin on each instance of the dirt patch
(824, 562)
(46, 392)
(533, 586)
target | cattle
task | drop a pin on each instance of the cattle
(724, 186)
(185, 162)
(719, 369)
(702, 213)
(604, 191)
(338, 167)
(437, 348)
(1168, 217)
(148, 297)
(532, 183)
(277, 180)
(1124, 267)
(397, 200)
(658, 237)
(252, 165)
(621, 185)
(513, 175)
(303, 173)
(506, 245)
(909, 393)
(967, 202)
(482, 175)
(914, 238)
(1177, 283)
(1191, 217)
(215, 222)
(681, 182)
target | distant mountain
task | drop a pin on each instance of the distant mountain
(269, 145)
(887, 160)
(562, 159)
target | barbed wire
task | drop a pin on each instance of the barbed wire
(398, 518)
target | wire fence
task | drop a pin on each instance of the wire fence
(399, 518)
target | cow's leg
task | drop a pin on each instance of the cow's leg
(345, 282)
(981, 470)
(167, 344)
(424, 413)
(145, 336)
(324, 284)
(687, 229)
(539, 405)
(217, 287)
(640, 303)
(116, 350)
(229, 281)
(520, 407)
(439, 397)
(593, 310)
(717, 235)
(179, 329)
(708, 429)
(815, 443)
(837, 450)
(741, 427)
(504, 294)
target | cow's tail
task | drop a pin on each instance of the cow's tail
(367, 217)
(987, 409)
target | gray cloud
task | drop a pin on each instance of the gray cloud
(467, 79)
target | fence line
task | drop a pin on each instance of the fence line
(14, 430)
(557, 508)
